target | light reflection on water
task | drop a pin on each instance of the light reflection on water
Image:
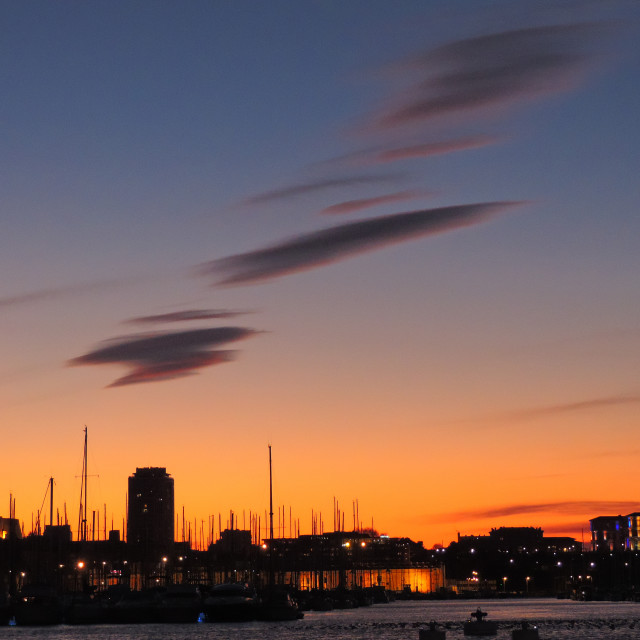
(560, 619)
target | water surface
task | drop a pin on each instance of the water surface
(561, 619)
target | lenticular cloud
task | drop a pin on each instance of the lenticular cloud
(165, 356)
(492, 70)
(340, 242)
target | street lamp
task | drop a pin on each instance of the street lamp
(504, 584)
(527, 583)
(79, 576)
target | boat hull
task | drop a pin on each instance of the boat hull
(484, 628)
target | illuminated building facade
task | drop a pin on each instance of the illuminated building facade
(609, 533)
(150, 510)
(633, 541)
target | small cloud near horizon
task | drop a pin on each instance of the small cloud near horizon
(165, 356)
(340, 242)
(575, 507)
(570, 407)
(533, 413)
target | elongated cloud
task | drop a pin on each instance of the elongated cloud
(340, 242)
(54, 293)
(576, 507)
(365, 203)
(188, 315)
(572, 407)
(319, 185)
(165, 356)
(385, 155)
(428, 149)
(497, 69)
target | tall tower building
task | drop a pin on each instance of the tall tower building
(150, 511)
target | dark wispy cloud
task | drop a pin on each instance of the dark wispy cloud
(55, 293)
(574, 507)
(351, 206)
(396, 152)
(165, 356)
(497, 69)
(340, 242)
(571, 407)
(429, 149)
(186, 316)
(326, 184)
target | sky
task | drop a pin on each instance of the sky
(399, 242)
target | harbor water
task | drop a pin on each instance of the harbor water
(561, 619)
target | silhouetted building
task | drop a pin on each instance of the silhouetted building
(517, 539)
(150, 510)
(609, 533)
(561, 544)
(61, 534)
(10, 528)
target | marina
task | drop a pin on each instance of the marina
(555, 619)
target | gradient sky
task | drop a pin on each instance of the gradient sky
(399, 241)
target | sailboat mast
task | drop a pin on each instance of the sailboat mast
(270, 498)
(51, 502)
(271, 572)
(82, 514)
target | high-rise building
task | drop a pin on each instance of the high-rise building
(150, 510)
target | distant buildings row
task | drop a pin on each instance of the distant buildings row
(509, 559)
(150, 521)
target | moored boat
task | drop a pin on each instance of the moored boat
(38, 605)
(181, 603)
(526, 632)
(81, 608)
(480, 626)
(432, 633)
(278, 605)
(231, 602)
(137, 607)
